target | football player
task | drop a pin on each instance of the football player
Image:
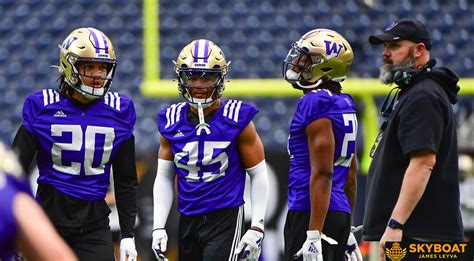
(209, 144)
(35, 240)
(321, 144)
(78, 133)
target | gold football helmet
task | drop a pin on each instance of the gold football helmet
(201, 58)
(86, 45)
(321, 55)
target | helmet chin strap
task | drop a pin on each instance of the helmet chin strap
(202, 123)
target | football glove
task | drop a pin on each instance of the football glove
(159, 243)
(312, 249)
(352, 249)
(127, 249)
(250, 245)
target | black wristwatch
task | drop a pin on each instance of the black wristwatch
(392, 223)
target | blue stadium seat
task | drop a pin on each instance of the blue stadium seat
(47, 12)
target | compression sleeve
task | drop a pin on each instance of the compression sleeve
(163, 192)
(258, 193)
(25, 146)
(126, 186)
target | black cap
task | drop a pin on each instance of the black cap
(404, 29)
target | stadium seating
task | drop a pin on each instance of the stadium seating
(255, 35)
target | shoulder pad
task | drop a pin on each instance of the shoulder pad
(239, 112)
(172, 114)
(50, 96)
(113, 99)
(232, 110)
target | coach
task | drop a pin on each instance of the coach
(413, 181)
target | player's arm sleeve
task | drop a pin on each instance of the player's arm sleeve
(25, 146)
(126, 186)
(258, 193)
(163, 192)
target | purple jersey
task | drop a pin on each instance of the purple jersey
(340, 110)
(9, 188)
(77, 144)
(210, 176)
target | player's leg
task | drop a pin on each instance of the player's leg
(222, 233)
(296, 225)
(336, 226)
(188, 244)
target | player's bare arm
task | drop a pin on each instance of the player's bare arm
(321, 154)
(165, 152)
(250, 147)
(351, 183)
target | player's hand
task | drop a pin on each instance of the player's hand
(352, 249)
(127, 249)
(250, 245)
(159, 243)
(312, 249)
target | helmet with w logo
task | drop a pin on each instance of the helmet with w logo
(83, 46)
(205, 60)
(320, 55)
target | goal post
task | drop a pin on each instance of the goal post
(360, 88)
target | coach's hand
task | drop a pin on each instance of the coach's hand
(312, 249)
(352, 248)
(127, 249)
(390, 235)
(159, 243)
(250, 245)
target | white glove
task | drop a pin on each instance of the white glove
(159, 243)
(312, 249)
(251, 244)
(127, 248)
(352, 249)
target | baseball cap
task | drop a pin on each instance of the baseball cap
(404, 29)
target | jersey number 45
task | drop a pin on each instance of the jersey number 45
(196, 159)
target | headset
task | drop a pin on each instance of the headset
(404, 77)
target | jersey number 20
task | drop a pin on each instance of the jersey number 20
(76, 143)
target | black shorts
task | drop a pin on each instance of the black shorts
(211, 237)
(93, 243)
(337, 226)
